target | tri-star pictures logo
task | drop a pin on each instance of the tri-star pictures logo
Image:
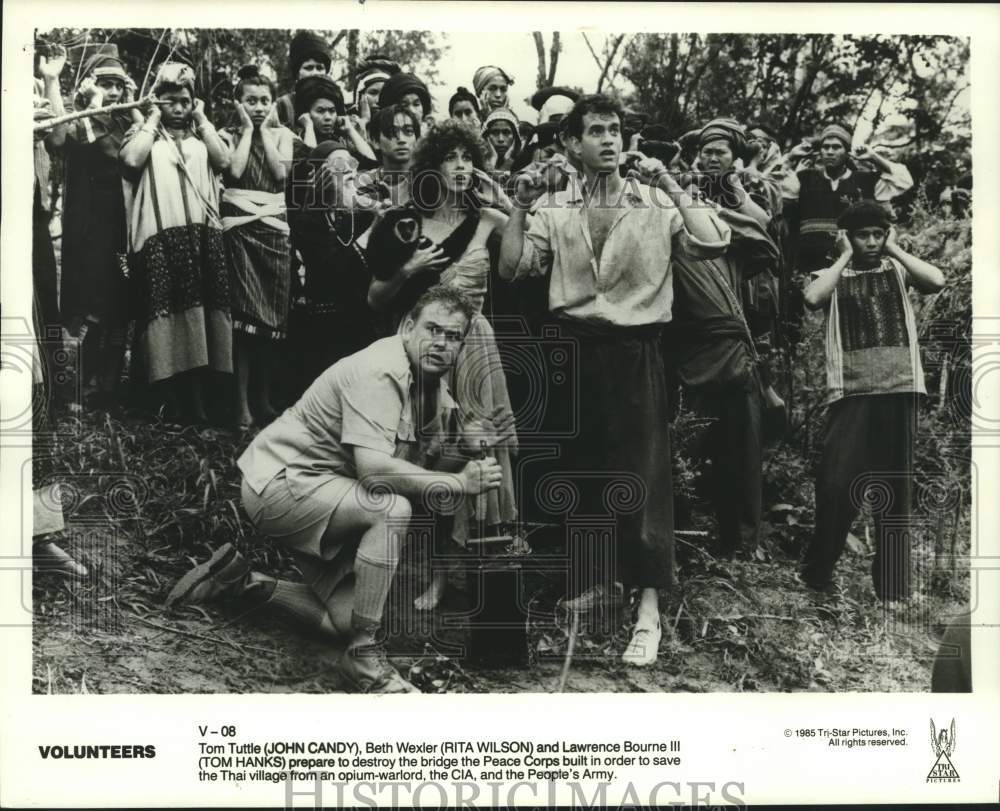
(943, 745)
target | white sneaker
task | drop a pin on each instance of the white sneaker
(643, 647)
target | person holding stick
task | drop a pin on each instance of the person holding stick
(94, 288)
(176, 249)
(48, 106)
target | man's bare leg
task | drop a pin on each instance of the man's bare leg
(434, 592)
(643, 647)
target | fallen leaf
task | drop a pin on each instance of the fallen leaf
(855, 544)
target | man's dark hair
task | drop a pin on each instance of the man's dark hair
(864, 214)
(385, 120)
(595, 104)
(451, 297)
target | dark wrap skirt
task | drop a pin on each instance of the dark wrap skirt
(619, 461)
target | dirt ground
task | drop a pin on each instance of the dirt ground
(744, 625)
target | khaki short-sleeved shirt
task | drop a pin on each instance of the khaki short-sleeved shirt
(365, 401)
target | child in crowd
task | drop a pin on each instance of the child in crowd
(873, 379)
(256, 235)
(176, 250)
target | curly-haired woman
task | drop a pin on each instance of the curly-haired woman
(448, 193)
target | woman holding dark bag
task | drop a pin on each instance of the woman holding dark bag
(441, 238)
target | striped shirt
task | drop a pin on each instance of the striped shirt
(871, 334)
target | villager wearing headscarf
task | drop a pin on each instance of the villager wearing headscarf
(407, 90)
(308, 55)
(321, 115)
(491, 85)
(369, 79)
(824, 191)
(502, 136)
(94, 288)
(176, 252)
(720, 166)
(709, 343)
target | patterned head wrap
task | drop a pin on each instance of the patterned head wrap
(725, 129)
(368, 78)
(174, 73)
(504, 114)
(838, 132)
(483, 75)
(105, 64)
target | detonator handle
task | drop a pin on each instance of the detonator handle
(482, 501)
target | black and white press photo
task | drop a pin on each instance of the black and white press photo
(630, 362)
(565, 396)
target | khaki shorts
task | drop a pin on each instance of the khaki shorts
(298, 525)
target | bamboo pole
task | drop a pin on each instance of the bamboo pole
(83, 56)
(152, 60)
(48, 123)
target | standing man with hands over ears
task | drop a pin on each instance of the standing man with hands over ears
(607, 244)
(874, 377)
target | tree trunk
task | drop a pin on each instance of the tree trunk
(352, 54)
(671, 72)
(553, 58)
(611, 58)
(540, 48)
(692, 86)
(804, 89)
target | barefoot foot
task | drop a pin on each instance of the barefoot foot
(435, 591)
